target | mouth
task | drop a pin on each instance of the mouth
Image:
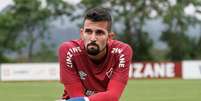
(92, 47)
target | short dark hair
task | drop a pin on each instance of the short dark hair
(99, 14)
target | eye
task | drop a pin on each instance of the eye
(88, 31)
(100, 32)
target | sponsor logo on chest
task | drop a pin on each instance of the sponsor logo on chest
(82, 75)
(109, 73)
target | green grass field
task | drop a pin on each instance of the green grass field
(137, 90)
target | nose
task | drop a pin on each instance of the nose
(93, 37)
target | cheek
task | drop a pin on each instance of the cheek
(103, 43)
(86, 37)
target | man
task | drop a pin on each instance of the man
(94, 67)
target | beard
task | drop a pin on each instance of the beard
(93, 49)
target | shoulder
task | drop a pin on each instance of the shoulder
(123, 53)
(118, 47)
(73, 46)
(70, 44)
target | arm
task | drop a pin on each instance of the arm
(118, 81)
(113, 92)
(68, 74)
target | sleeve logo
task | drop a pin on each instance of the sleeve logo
(121, 57)
(69, 55)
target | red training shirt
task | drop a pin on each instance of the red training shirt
(100, 82)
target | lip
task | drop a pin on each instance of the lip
(92, 46)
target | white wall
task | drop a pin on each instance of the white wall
(29, 71)
(50, 71)
(191, 69)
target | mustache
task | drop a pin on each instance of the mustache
(93, 43)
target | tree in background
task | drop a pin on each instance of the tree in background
(131, 16)
(198, 49)
(8, 34)
(25, 24)
(181, 46)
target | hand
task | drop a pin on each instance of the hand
(78, 99)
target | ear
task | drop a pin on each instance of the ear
(81, 33)
(111, 35)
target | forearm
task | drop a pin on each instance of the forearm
(74, 90)
(103, 96)
(115, 89)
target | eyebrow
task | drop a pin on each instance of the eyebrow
(88, 29)
(95, 29)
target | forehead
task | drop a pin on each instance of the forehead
(95, 24)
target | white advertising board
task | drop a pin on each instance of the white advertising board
(191, 69)
(29, 71)
(140, 70)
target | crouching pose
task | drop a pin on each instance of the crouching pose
(94, 67)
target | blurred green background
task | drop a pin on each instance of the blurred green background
(157, 30)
